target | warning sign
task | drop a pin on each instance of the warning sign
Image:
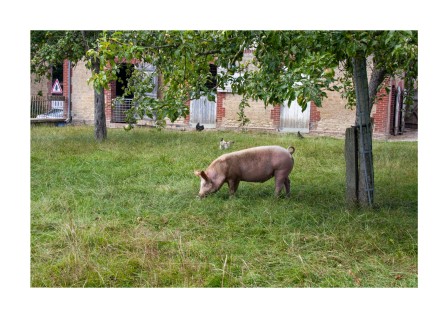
(57, 89)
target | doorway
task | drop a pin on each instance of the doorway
(293, 119)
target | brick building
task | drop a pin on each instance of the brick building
(330, 119)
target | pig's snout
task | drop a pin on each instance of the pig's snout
(203, 194)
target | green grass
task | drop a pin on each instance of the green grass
(124, 213)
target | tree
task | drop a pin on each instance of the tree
(182, 58)
(51, 47)
(288, 66)
(393, 54)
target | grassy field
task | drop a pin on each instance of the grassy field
(124, 213)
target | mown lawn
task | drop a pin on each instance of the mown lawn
(124, 213)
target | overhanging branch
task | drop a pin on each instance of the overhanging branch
(376, 78)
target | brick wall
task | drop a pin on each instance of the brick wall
(380, 113)
(44, 85)
(314, 116)
(220, 110)
(109, 94)
(41, 87)
(333, 117)
(82, 95)
(260, 117)
(275, 116)
(65, 81)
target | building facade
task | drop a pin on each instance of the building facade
(330, 119)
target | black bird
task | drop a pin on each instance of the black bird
(199, 127)
(299, 135)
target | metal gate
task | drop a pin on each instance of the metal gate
(203, 111)
(48, 108)
(293, 119)
(119, 110)
(120, 107)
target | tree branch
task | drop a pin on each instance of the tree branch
(376, 78)
(84, 41)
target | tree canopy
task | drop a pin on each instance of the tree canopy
(287, 65)
(49, 48)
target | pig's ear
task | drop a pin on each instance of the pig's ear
(201, 174)
(204, 176)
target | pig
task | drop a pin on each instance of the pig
(257, 164)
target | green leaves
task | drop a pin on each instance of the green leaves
(242, 118)
(286, 65)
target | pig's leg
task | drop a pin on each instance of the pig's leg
(287, 186)
(279, 183)
(233, 186)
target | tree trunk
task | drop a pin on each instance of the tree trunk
(366, 184)
(99, 112)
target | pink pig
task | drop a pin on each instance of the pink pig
(256, 164)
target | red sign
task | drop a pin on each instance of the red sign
(57, 89)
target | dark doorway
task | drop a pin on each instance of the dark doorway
(403, 116)
(123, 78)
(122, 105)
(412, 113)
(212, 82)
(57, 72)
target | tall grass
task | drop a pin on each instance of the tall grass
(124, 213)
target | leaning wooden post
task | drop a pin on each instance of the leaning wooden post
(351, 166)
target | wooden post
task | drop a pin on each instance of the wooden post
(351, 166)
(365, 177)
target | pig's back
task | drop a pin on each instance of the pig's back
(260, 152)
(258, 164)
